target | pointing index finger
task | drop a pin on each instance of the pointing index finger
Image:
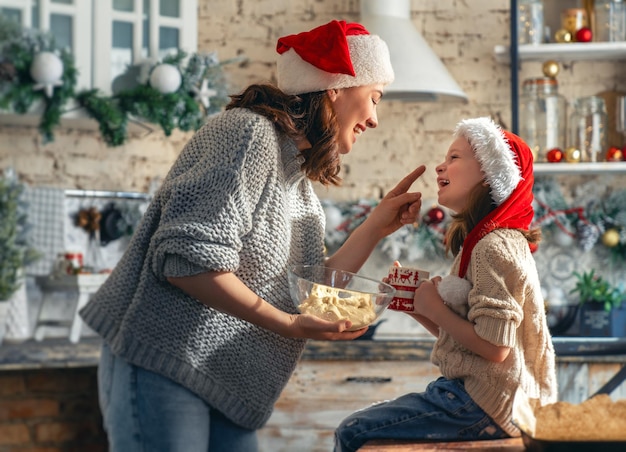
(404, 185)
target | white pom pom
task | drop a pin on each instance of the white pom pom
(455, 292)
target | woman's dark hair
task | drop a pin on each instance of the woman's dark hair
(479, 205)
(309, 116)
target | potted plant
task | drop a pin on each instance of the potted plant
(602, 312)
(15, 250)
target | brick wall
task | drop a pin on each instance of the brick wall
(462, 33)
(50, 410)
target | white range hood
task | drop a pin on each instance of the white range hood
(420, 74)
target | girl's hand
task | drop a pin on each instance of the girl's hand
(427, 300)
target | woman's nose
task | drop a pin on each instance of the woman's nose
(372, 121)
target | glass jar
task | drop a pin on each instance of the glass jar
(573, 19)
(589, 128)
(530, 21)
(542, 116)
(610, 21)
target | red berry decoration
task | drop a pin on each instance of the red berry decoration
(614, 154)
(554, 155)
(584, 35)
(434, 216)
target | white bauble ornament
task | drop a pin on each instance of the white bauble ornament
(334, 217)
(47, 70)
(563, 239)
(165, 78)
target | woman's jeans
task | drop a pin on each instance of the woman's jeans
(146, 412)
(443, 412)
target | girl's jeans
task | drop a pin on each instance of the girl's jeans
(443, 412)
(145, 412)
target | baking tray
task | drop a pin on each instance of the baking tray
(524, 419)
(539, 445)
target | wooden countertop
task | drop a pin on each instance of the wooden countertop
(498, 445)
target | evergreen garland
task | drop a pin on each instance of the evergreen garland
(142, 102)
(112, 122)
(18, 49)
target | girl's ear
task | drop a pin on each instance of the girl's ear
(332, 94)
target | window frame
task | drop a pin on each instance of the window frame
(187, 24)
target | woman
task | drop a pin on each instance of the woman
(200, 335)
(496, 342)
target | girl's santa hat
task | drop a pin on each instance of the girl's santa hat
(507, 162)
(334, 55)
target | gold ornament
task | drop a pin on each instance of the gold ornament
(572, 155)
(563, 35)
(610, 238)
(551, 68)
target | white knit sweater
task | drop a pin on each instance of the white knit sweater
(507, 308)
(235, 200)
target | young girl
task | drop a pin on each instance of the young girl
(500, 341)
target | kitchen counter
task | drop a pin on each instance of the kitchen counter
(59, 352)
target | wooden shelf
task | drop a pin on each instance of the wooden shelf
(587, 168)
(574, 51)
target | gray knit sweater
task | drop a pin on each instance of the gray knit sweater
(235, 200)
(507, 309)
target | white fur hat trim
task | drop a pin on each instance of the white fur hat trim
(370, 59)
(497, 160)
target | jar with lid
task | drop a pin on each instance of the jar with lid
(609, 21)
(589, 128)
(543, 116)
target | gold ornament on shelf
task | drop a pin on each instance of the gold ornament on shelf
(572, 155)
(563, 36)
(551, 68)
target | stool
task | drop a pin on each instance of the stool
(83, 285)
(493, 445)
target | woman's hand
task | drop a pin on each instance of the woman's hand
(398, 207)
(308, 326)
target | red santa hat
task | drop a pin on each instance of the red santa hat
(507, 162)
(334, 55)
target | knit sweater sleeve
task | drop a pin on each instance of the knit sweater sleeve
(209, 198)
(499, 280)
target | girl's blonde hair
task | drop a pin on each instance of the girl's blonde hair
(479, 205)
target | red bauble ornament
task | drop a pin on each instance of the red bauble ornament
(434, 216)
(614, 154)
(554, 155)
(584, 35)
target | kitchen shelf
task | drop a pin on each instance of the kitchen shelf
(587, 168)
(573, 51)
